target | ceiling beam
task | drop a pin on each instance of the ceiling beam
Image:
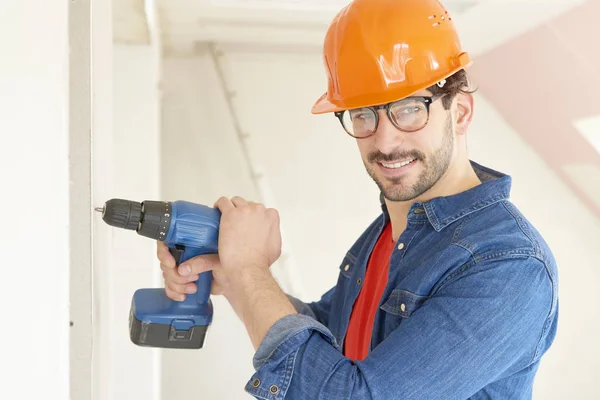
(482, 27)
(130, 22)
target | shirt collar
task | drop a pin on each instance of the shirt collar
(442, 211)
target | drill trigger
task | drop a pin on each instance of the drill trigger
(177, 252)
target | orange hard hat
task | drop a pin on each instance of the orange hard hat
(379, 51)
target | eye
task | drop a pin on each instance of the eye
(409, 110)
(409, 114)
(361, 114)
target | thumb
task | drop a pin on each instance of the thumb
(217, 289)
(198, 265)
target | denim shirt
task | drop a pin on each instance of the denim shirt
(470, 308)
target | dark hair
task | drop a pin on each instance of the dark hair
(455, 84)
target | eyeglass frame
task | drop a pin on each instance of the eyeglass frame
(426, 100)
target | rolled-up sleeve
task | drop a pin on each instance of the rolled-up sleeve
(319, 310)
(301, 307)
(493, 319)
(276, 354)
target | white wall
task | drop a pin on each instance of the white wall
(325, 198)
(34, 166)
(126, 165)
(202, 160)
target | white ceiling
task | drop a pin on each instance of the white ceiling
(483, 24)
(277, 22)
(335, 5)
(454, 6)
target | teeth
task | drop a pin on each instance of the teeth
(397, 165)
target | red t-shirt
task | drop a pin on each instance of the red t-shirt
(358, 339)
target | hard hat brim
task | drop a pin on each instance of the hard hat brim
(323, 105)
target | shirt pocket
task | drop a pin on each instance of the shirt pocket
(347, 266)
(401, 304)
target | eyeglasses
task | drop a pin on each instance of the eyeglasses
(410, 114)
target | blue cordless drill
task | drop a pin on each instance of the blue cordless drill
(189, 230)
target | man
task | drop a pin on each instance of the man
(450, 293)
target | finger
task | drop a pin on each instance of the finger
(253, 204)
(273, 214)
(173, 295)
(188, 288)
(224, 204)
(164, 255)
(239, 201)
(171, 275)
(216, 289)
(198, 265)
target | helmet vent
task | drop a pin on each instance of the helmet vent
(442, 18)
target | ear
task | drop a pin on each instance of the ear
(464, 112)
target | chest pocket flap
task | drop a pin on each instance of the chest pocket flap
(403, 303)
(347, 266)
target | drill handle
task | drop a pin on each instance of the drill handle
(204, 282)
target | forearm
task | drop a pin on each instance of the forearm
(258, 301)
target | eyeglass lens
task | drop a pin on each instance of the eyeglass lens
(407, 115)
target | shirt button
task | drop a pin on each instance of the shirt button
(274, 389)
(358, 281)
(400, 246)
(403, 307)
(347, 267)
(256, 383)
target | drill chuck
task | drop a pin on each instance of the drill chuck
(122, 214)
(149, 218)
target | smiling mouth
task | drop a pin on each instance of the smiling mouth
(399, 164)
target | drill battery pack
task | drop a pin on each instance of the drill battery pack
(182, 330)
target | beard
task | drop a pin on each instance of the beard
(434, 167)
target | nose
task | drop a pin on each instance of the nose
(387, 137)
